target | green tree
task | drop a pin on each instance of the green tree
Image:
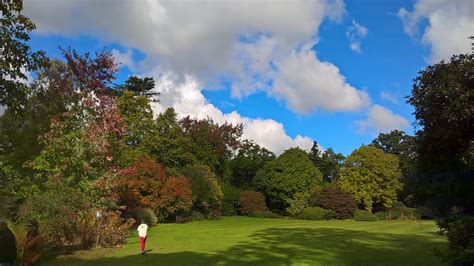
(139, 87)
(207, 193)
(443, 97)
(328, 162)
(281, 179)
(169, 145)
(16, 57)
(372, 176)
(249, 159)
(398, 143)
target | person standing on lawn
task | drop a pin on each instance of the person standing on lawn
(34, 245)
(142, 228)
(7, 245)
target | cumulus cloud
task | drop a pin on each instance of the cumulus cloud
(354, 34)
(307, 83)
(381, 120)
(248, 42)
(450, 23)
(186, 98)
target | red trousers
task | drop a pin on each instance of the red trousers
(142, 242)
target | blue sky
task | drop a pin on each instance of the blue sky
(287, 71)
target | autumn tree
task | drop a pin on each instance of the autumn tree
(372, 176)
(212, 144)
(281, 179)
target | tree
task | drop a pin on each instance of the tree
(328, 162)
(207, 193)
(249, 159)
(372, 176)
(398, 143)
(169, 145)
(16, 58)
(292, 172)
(443, 96)
(212, 144)
(139, 87)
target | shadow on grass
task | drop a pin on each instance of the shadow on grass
(286, 246)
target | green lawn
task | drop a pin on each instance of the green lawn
(258, 241)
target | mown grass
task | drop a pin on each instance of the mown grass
(258, 241)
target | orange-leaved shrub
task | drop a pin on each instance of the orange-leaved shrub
(251, 201)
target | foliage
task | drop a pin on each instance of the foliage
(264, 214)
(363, 215)
(282, 178)
(460, 231)
(175, 197)
(207, 193)
(251, 201)
(169, 146)
(371, 176)
(230, 201)
(315, 213)
(337, 200)
(139, 87)
(212, 144)
(442, 95)
(16, 58)
(382, 215)
(58, 211)
(109, 230)
(249, 159)
(398, 143)
(328, 162)
(196, 216)
(137, 116)
(298, 204)
(147, 215)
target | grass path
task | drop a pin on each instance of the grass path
(258, 241)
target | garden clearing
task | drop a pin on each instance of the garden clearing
(260, 241)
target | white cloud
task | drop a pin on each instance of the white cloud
(381, 120)
(248, 42)
(186, 98)
(125, 59)
(307, 83)
(450, 23)
(2, 109)
(387, 96)
(355, 33)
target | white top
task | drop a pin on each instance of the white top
(142, 230)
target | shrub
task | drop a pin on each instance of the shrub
(264, 214)
(109, 230)
(381, 215)
(175, 197)
(57, 210)
(147, 215)
(460, 231)
(230, 202)
(298, 204)
(316, 213)
(337, 200)
(207, 193)
(251, 201)
(426, 212)
(363, 215)
(196, 216)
